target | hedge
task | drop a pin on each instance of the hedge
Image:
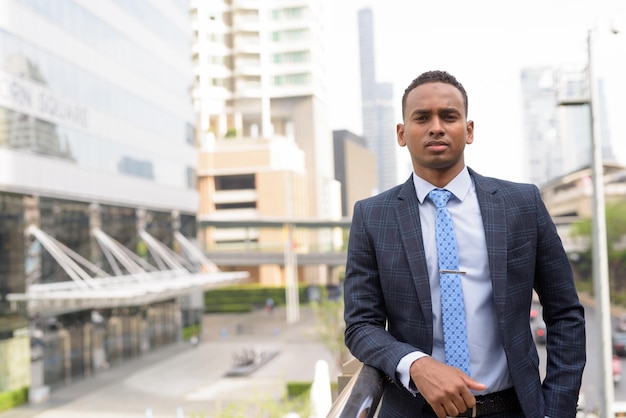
(301, 388)
(246, 297)
(9, 400)
(295, 389)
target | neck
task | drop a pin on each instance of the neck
(439, 178)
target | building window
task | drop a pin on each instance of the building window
(190, 133)
(291, 80)
(293, 13)
(191, 177)
(288, 13)
(295, 35)
(218, 82)
(235, 205)
(291, 57)
(217, 60)
(236, 182)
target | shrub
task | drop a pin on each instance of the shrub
(9, 400)
(296, 389)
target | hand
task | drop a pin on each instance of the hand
(445, 388)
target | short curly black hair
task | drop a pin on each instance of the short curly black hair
(435, 77)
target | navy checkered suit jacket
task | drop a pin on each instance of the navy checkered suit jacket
(388, 309)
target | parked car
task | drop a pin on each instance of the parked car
(619, 344)
(617, 369)
(539, 332)
(533, 314)
(619, 407)
(582, 401)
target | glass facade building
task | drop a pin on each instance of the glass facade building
(96, 132)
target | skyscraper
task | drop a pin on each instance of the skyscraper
(542, 144)
(377, 106)
(556, 119)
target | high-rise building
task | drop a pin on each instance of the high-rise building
(259, 69)
(97, 185)
(259, 83)
(355, 169)
(542, 143)
(377, 106)
(557, 126)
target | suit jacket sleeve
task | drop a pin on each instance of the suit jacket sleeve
(563, 315)
(379, 289)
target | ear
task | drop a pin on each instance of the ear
(400, 134)
(470, 132)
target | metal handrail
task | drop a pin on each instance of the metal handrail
(361, 396)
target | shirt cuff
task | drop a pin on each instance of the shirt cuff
(404, 370)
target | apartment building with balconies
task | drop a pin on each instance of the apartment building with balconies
(259, 84)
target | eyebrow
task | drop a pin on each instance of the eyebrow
(445, 110)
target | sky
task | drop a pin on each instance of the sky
(484, 44)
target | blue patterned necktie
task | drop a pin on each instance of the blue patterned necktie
(452, 307)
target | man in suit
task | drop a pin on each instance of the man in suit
(507, 247)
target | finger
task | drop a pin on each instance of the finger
(472, 384)
(469, 400)
(450, 407)
(440, 411)
(461, 402)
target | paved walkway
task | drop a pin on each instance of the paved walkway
(182, 381)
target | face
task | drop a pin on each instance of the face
(435, 131)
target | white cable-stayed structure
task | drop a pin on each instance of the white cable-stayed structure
(134, 281)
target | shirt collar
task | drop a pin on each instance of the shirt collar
(459, 186)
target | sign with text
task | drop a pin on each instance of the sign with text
(25, 96)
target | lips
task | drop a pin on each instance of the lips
(436, 146)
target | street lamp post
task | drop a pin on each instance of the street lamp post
(600, 258)
(291, 261)
(599, 238)
(291, 278)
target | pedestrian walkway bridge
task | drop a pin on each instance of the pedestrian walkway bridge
(134, 281)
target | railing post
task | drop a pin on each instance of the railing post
(348, 370)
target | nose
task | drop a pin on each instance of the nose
(436, 128)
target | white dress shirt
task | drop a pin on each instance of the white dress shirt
(487, 358)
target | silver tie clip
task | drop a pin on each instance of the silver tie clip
(452, 272)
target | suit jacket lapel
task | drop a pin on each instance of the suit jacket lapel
(411, 235)
(493, 214)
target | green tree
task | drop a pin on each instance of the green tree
(331, 326)
(616, 246)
